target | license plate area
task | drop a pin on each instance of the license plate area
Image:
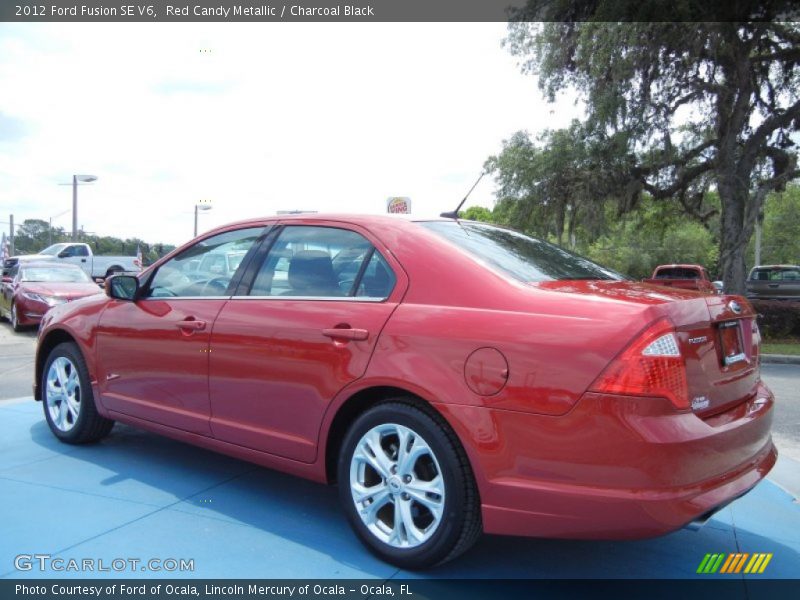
(731, 343)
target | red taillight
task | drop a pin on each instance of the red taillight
(651, 366)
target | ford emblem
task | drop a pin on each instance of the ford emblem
(735, 307)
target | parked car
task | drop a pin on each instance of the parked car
(30, 289)
(774, 282)
(96, 266)
(457, 378)
(687, 277)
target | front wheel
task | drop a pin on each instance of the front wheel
(15, 319)
(407, 487)
(68, 400)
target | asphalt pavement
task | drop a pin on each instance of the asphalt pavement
(17, 351)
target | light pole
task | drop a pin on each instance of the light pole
(75, 180)
(50, 230)
(200, 205)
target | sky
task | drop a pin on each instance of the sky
(255, 118)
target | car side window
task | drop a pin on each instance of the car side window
(81, 251)
(203, 269)
(378, 279)
(315, 262)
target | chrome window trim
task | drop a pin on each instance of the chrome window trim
(163, 298)
(228, 297)
(323, 298)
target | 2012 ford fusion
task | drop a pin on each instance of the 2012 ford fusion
(451, 377)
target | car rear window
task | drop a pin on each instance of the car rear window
(524, 258)
(776, 274)
(677, 273)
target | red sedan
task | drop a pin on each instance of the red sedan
(29, 290)
(453, 377)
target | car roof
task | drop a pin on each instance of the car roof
(58, 265)
(680, 266)
(355, 218)
(776, 267)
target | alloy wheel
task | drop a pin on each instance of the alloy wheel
(63, 393)
(397, 485)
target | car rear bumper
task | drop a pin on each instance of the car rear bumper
(614, 467)
(575, 512)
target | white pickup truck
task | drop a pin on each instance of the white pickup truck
(81, 255)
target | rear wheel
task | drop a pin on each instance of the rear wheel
(407, 487)
(68, 400)
(113, 271)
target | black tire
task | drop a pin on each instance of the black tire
(460, 523)
(113, 271)
(14, 319)
(89, 426)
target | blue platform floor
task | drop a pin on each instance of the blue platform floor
(140, 496)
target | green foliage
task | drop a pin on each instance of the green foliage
(780, 239)
(656, 233)
(778, 319)
(477, 213)
(560, 181)
(699, 105)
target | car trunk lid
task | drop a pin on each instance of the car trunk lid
(717, 336)
(722, 355)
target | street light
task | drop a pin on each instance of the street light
(201, 205)
(75, 180)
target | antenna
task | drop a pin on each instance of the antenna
(454, 214)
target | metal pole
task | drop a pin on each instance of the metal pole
(50, 233)
(759, 223)
(195, 221)
(11, 237)
(74, 208)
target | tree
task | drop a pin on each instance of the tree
(561, 181)
(477, 213)
(31, 236)
(700, 105)
(655, 233)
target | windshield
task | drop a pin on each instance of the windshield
(524, 258)
(54, 274)
(53, 250)
(776, 274)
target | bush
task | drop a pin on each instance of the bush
(778, 319)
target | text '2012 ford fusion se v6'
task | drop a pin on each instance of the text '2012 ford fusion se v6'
(451, 377)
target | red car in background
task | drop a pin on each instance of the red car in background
(29, 290)
(688, 277)
(453, 377)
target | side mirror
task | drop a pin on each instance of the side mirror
(122, 287)
(63, 254)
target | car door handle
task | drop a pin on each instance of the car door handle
(346, 334)
(191, 324)
(83, 260)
